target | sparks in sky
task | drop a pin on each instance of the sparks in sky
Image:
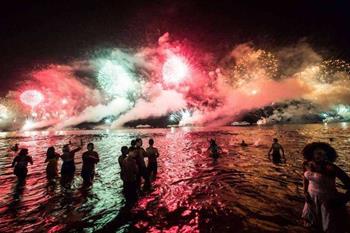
(180, 116)
(31, 98)
(175, 69)
(115, 80)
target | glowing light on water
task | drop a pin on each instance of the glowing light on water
(31, 98)
(64, 101)
(115, 80)
(175, 69)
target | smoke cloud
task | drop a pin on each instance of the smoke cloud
(127, 85)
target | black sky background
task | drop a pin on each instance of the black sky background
(34, 33)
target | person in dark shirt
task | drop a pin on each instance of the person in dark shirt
(90, 159)
(20, 162)
(152, 154)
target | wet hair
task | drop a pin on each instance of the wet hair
(151, 141)
(23, 152)
(65, 148)
(133, 143)
(138, 140)
(50, 154)
(90, 144)
(124, 149)
(308, 151)
(275, 140)
(212, 142)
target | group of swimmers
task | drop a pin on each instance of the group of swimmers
(324, 209)
(276, 151)
(90, 158)
(133, 167)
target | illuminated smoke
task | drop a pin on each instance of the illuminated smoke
(160, 103)
(172, 78)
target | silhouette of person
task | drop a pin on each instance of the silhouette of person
(276, 150)
(52, 162)
(20, 163)
(152, 154)
(90, 159)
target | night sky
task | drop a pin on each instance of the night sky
(35, 33)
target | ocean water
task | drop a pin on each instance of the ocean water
(241, 192)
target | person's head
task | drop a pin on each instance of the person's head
(151, 142)
(50, 152)
(212, 142)
(124, 150)
(23, 152)
(16, 145)
(90, 146)
(275, 140)
(66, 148)
(243, 141)
(133, 143)
(131, 153)
(319, 152)
(138, 142)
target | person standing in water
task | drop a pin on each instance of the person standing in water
(130, 176)
(68, 165)
(20, 163)
(124, 150)
(140, 160)
(276, 150)
(90, 159)
(52, 161)
(152, 154)
(133, 144)
(214, 149)
(325, 208)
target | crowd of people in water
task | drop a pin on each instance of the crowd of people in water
(324, 209)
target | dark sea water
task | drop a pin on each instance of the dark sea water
(241, 192)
